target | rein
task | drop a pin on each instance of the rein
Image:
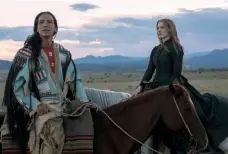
(85, 105)
(98, 108)
(192, 138)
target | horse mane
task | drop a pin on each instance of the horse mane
(179, 91)
(105, 98)
(134, 100)
(187, 104)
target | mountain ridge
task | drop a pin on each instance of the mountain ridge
(217, 58)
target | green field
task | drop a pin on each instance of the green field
(215, 82)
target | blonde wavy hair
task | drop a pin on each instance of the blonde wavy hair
(173, 34)
(172, 30)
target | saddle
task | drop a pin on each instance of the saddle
(79, 131)
(155, 84)
(146, 86)
(78, 127)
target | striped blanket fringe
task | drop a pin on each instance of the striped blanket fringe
(73, 145)
(78, 145)
(79, 136)
(9, 146)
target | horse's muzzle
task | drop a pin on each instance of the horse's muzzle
(195, 146)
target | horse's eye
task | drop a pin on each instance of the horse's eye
(188, 109)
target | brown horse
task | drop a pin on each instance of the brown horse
(138, 116)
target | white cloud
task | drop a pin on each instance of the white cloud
(70, 42)
(78, 52)
(8, 48)
(77, 42)
(106, 11)
(24, 12)
(96, 42)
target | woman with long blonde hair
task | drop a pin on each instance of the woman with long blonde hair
(167, 60)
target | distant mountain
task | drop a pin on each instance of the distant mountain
(215, 59)
(115, 63)
(5, 65)
(209, 59)
(196, 54)
(115, 59)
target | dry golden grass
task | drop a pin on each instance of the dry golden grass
(214, 82)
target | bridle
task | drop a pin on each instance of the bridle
(192, 141)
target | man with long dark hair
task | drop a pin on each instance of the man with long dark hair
(41, 79)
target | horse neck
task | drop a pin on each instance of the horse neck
(137, 116)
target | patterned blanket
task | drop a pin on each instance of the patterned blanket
(78, 135)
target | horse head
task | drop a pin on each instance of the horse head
(188, 122)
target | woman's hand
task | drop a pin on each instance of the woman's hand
(137, 91)
(175, 81)
(42, 109)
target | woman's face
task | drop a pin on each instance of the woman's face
(46, 26)
(162, 30)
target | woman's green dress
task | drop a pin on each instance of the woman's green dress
(166, 61)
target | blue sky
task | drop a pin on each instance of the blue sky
(100, 27)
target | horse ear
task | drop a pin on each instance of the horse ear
(172, 89)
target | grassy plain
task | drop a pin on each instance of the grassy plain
(214, 82)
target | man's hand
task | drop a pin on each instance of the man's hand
(42, 109)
